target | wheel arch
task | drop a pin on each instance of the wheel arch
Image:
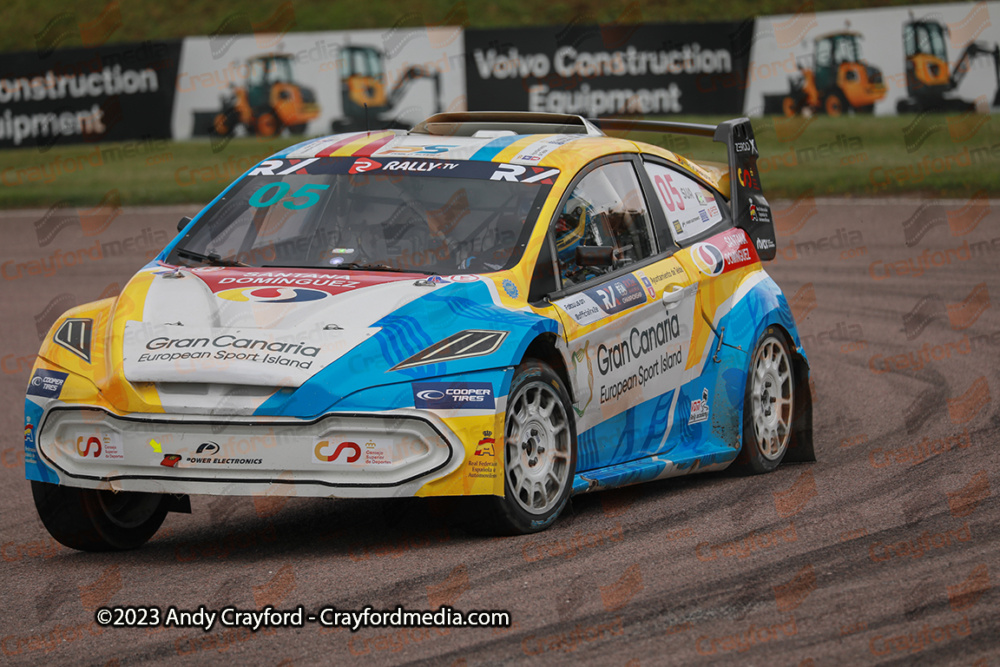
(544, 348)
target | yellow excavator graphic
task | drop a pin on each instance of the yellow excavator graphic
(269, 101)
(367, 103)
(838, 80)
(928, 81)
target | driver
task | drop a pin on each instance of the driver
(573, 227)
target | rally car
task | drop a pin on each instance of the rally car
(511, 306)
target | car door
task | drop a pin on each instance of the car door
(706, 419)
(627, 324)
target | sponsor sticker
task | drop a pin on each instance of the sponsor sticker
(536, 151)
(486, 446)
(282, 358)
(748, 178)
(724, 252)
(364, 164)
(103, 445)
(47, 384)
(647, 283)
(453, 395)
(708, 258)
(618, 295)
(596, 303)
(699, 408)
(271, 294)
(351, 454)
(483, 462)
(516, 173)
(510, 288)
(413, 161)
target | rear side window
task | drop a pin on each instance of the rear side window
(691, 209)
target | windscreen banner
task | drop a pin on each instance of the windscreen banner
(647, 69)
(114, 92)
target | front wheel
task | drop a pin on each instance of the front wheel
(539, 451)
(92, 520)
(768, 405)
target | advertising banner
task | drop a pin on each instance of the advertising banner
(108, 93)
(883, 61)
(651, 69)
(316, 83)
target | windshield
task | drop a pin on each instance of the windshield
(847, 49)
(430, 216)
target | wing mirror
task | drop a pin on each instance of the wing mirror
(183, 223)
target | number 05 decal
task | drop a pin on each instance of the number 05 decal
(264, 197)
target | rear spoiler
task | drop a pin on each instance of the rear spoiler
(750, 209)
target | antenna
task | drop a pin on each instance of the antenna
(367, 129)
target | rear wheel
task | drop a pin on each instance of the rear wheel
(92, 520)
(297, 129)
(768, 405)
(539, 452)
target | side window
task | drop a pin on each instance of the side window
(824, 53)
(690, 208)
(606, 210)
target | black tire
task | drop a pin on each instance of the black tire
(224, 123)
(866, 109)
(835, 104)
(297, 129)
(773, 390)
(538, 449)
(91, 520)
(267, 123)
(790, 106)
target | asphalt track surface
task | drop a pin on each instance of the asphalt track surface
(884, 551)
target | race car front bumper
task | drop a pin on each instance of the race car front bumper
(343, 454)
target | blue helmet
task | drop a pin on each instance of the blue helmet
(570, 230)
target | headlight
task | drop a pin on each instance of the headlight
(464, 344)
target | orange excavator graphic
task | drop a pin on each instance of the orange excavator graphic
(269, 101)
(928, 81)
(366, 101)
(839, 80)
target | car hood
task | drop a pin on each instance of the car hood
(299, 342)
(266, 327)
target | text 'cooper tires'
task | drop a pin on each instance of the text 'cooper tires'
(92, 520)
(768, 405)
(539, 451)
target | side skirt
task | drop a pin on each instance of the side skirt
(649, 469)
